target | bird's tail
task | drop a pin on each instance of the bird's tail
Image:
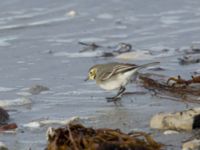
(148, 65)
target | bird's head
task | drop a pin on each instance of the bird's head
(92, 74)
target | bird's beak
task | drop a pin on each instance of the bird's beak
(86, 79)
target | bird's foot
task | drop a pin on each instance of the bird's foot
(113, 99)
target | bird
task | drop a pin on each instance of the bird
(115, 76)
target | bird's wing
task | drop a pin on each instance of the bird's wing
(119, 68)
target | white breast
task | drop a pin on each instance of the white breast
(118, 81)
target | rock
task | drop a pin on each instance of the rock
(191, 145)
(37, 89)
(3, 146)
(4, 116)
(184, 120)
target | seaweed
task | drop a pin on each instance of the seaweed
(78, 137)
(180, 90)
(180, 80)
(10, 126)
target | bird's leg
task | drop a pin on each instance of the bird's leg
(118, 96)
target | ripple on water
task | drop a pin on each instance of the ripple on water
(105, 16)
(5, 89)
(34, 24)
(92, 39)
(117, 36)
(6, 40)
(77, 55)
(15, 102)
(169, 20)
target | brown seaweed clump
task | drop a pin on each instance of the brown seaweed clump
(187, 90)
(78, 137)
(6, 127)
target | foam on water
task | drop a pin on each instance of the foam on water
(15, 102)
(6, 89)
(39, 123)
(6, 40)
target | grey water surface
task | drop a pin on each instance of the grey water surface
(39, 45)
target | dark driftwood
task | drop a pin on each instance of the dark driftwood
(114, 50)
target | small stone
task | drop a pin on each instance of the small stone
(3, 146)
(37, 89)
(71, 13)
(191, 145)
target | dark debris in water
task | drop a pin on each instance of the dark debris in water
(192, 50)
(186, 60)
(114, 50)
(180, 90)
(89, 46)
(191, 56)
(78, 137)
(4, 116)
(37, 89)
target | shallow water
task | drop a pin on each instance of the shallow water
(39, 45)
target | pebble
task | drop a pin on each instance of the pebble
(3, 146)
(37, 89)
(71, 13)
